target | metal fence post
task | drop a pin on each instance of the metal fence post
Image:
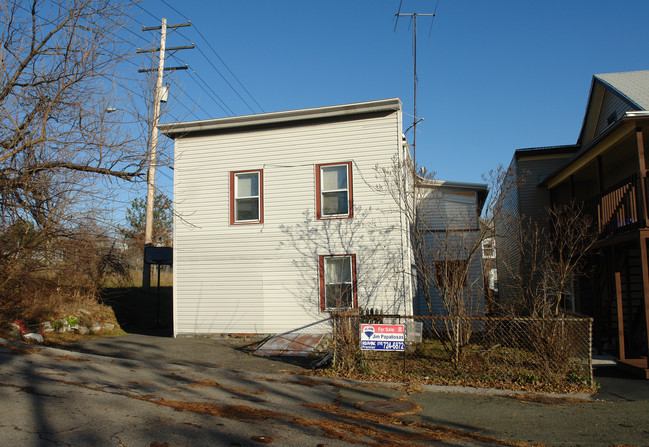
(457, 340)
(335, 337)
(590, 352)
(404, 349)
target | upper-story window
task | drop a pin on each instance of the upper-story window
(334, 190)
(246, 197)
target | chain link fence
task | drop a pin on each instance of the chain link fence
(519, 353)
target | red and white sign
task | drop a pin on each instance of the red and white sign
(382, 337)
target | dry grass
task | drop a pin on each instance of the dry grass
(133, 278)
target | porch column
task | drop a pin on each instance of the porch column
(643, 176)
(620, 316)
(645, 285)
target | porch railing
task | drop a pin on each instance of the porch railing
(620, 208)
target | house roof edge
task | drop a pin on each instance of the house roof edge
(381, 105)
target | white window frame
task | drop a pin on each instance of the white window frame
(324, 284)
(321, 191)
(234, 175)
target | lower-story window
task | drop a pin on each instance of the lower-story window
(338, 282)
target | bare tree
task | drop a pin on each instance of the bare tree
(60, 149)
(553, 256)
(446, 245)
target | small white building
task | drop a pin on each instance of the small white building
(282, 217)
(448, 243)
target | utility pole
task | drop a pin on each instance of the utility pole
(153, 149)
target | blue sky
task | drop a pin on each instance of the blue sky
(493, 76)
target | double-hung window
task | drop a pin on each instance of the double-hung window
(246, 197)
(334, 190)
(338, 282)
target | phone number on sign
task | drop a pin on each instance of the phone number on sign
(382, 345)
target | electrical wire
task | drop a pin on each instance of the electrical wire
(211, 93)
(224, 106)
(217, 55)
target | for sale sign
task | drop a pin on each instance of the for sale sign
(382, 337)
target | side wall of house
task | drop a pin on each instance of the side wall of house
(507, 233)
(264, 278)
(524, 204)
(613, 107)
(451, 234)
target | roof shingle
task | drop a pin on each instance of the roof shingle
(632, 85)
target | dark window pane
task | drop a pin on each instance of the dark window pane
(334, 203)
(338, 296)
(247, 209)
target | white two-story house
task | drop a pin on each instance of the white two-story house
(282, 217)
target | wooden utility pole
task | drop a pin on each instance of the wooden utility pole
(153, 149)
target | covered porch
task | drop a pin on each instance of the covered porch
(609, 178)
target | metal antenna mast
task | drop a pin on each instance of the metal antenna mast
(415, 120)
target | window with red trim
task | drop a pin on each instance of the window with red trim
(247, 197)
(334, 190)
(337, 282)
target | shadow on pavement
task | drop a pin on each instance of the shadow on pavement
(139, 312)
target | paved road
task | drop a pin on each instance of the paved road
(53, 397)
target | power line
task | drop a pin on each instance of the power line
(211, 93)
(224, 106)
(146, 11)
(226, 81)
(220, 59)
(228, 68)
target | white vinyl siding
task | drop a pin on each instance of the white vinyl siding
(451, 222)
(264, 278)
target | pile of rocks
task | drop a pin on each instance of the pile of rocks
(82, 324)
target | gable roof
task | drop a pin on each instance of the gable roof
(633, 86)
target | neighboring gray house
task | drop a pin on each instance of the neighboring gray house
(605, 172)
(523, 199)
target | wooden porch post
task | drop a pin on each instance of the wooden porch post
(643, 176)
(645, 284)
(620, 316)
